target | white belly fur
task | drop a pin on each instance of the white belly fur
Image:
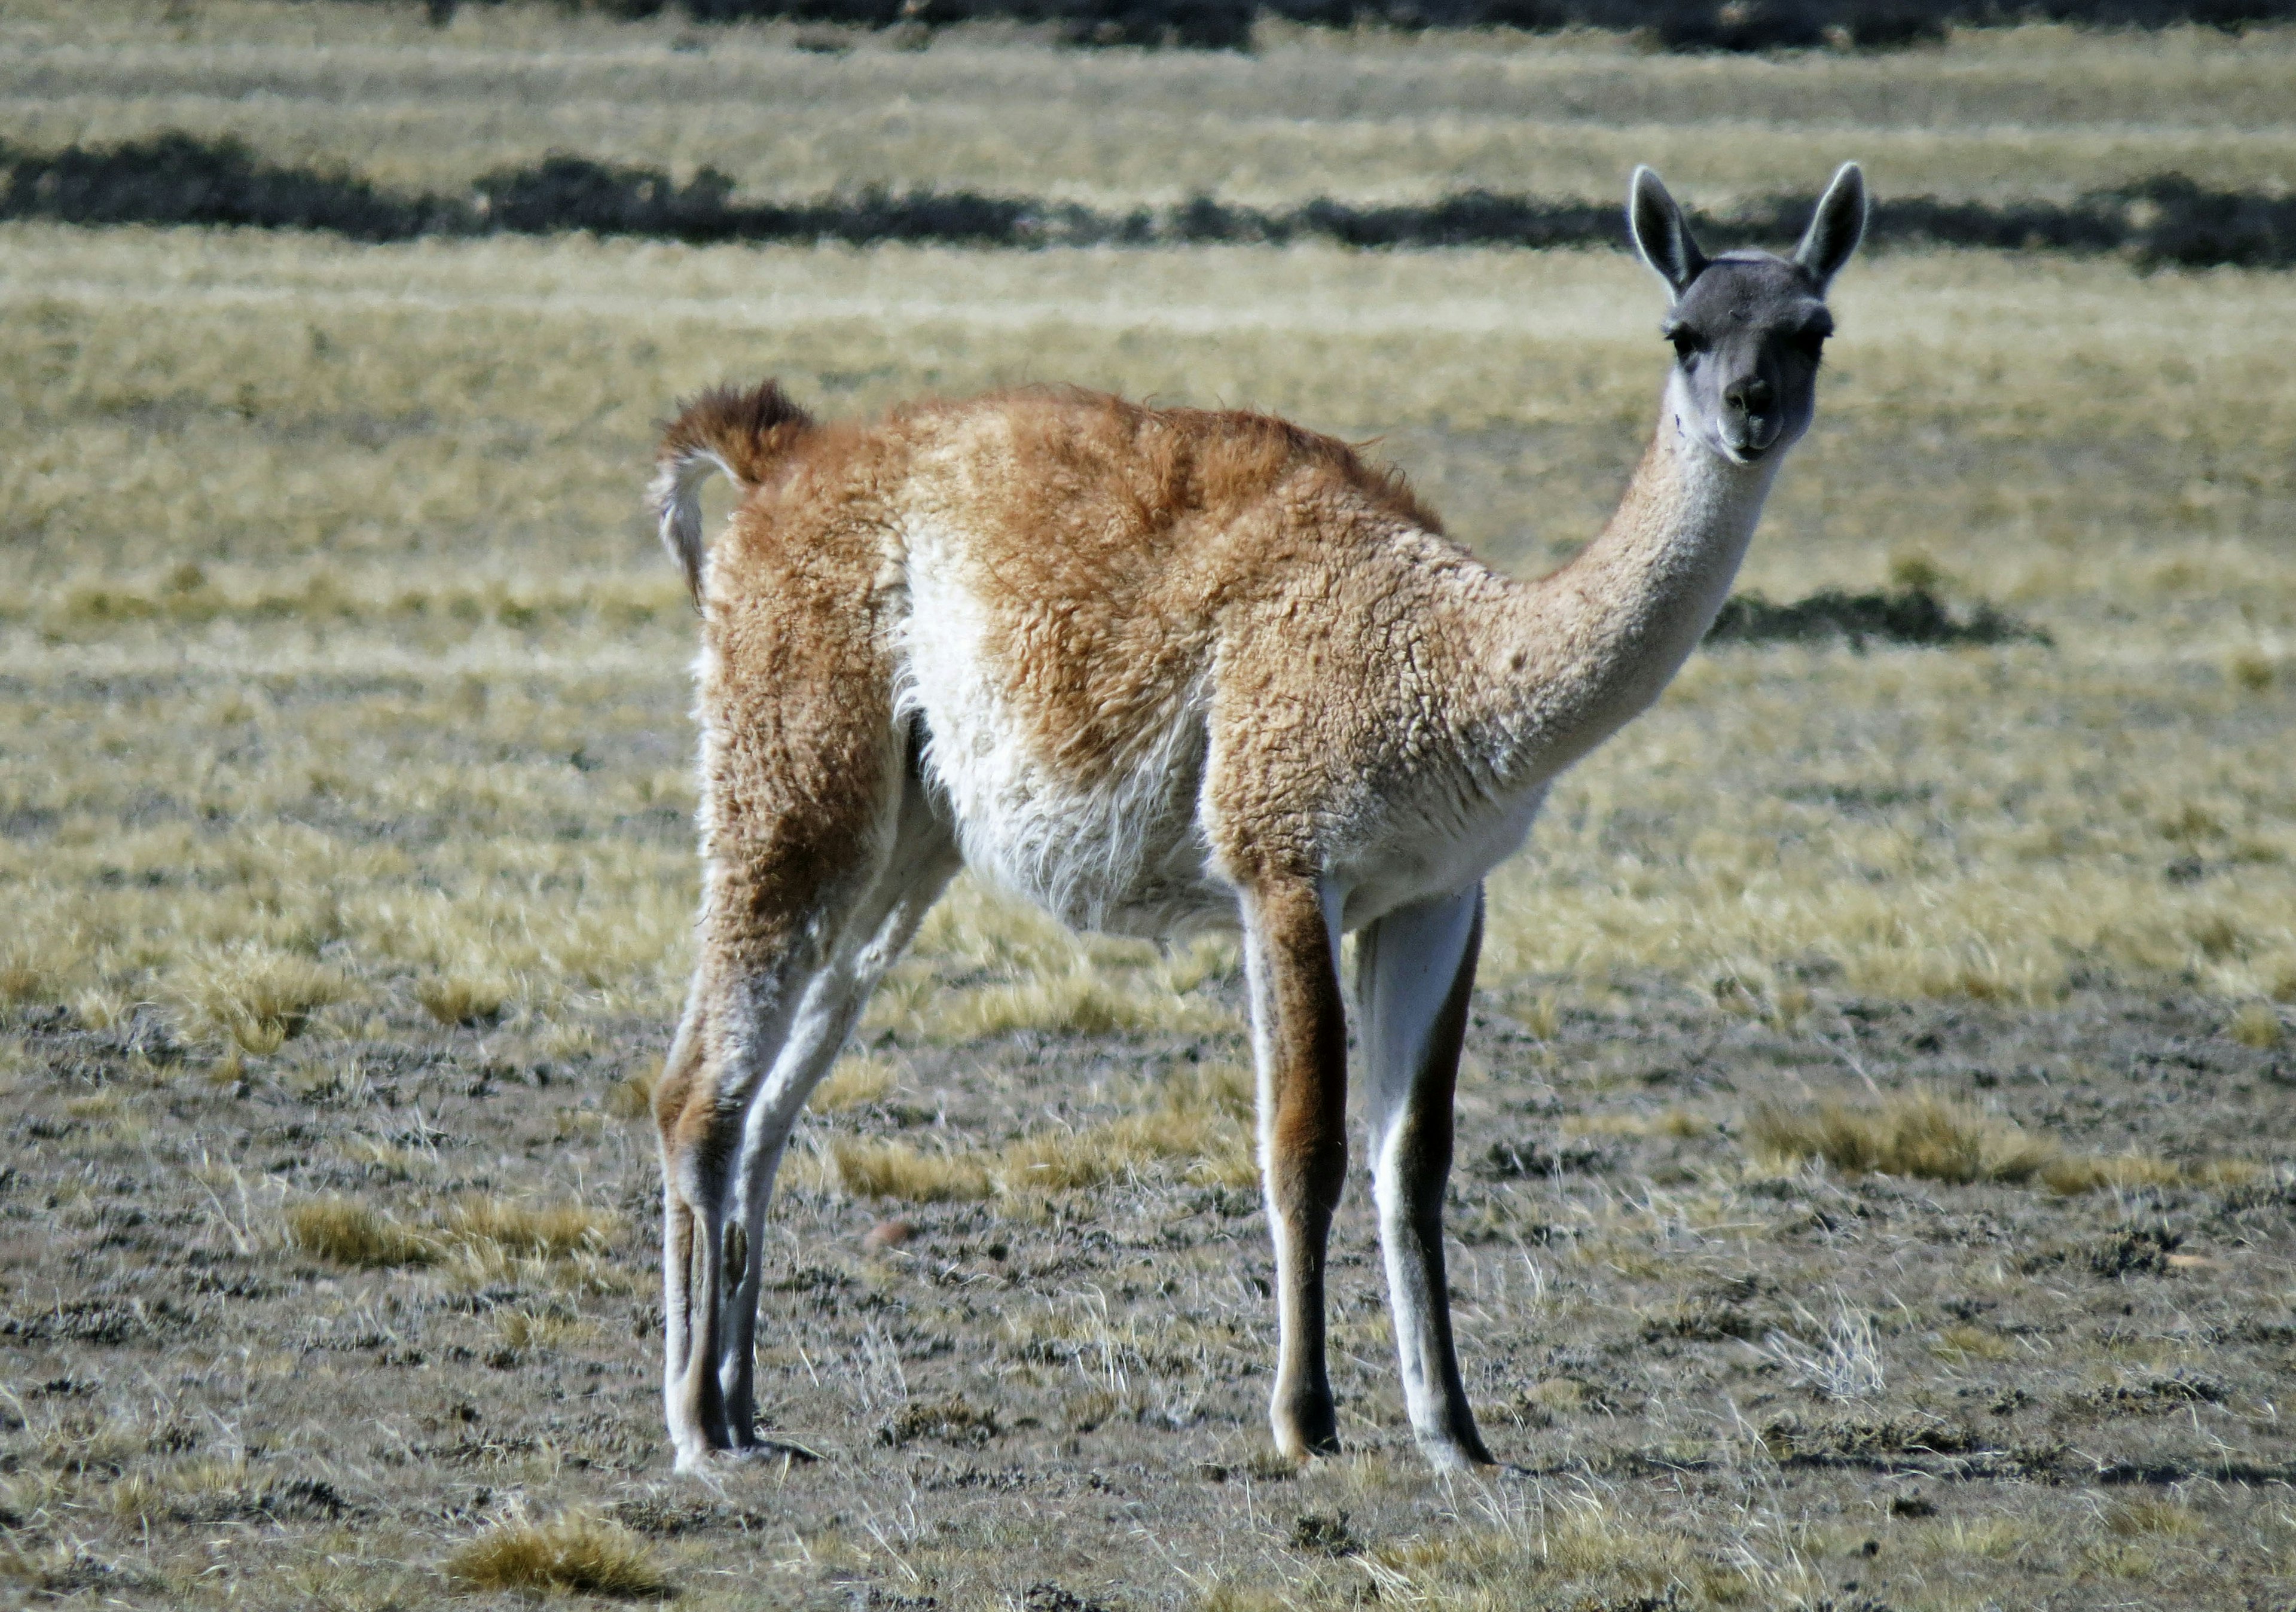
(1125, 857)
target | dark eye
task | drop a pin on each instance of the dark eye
(1810, 344)
(1687, 343)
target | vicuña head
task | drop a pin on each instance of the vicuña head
(1163, 670)
(1747, 326)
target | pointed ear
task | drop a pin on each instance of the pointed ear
(1660, 234)
(1836, 228)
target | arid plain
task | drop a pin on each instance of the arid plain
(1876, 1174)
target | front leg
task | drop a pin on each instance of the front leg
(1299, 1032)
(1414, 972)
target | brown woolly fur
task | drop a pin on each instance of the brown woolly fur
(1160, 671)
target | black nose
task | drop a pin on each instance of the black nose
(1751, 395)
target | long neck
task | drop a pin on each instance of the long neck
(1584, 651)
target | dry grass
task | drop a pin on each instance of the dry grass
(539, 1329)
(1197, 1120)
(1307, 113)
(1964, 1342)
(898, 1170)
(631, 1098)
(1936, 1139)
(1911, 882)
(483, 1230)
(459, 999)
(1079, 1002)
(854, 1082)
(258, 998)
(1517, 1556)
(2256, 1025)
(352, 1234)
(575, 1554)
(551, 1231)
(1920, 1135)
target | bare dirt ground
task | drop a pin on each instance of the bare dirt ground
(1717, 1381)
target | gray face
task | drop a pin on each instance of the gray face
(1747, 336)
(1747, 327)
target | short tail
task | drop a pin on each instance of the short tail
(741, 433)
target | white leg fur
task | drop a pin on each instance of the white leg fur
(1409, 972)
(833, 1002)
(790, 1023)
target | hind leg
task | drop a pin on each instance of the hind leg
(923, 859)
(804, 777)
(756, 1041)
(737, 1021)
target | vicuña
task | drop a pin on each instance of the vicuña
(1162, 671)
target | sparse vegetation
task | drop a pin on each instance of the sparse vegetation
(482, 1228)
(1197, 1123)
(2256, 1025)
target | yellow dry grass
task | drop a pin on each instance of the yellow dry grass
(480, 1230)
(574, 1554)
(631, 1098)
(902, 1171)
(1307, 113)
(258, 997)
(1904, 865)
(460, 1000)
(2256, 1025)
(549, 1229)
(352, 1233)
(1937, 1139)
(1918, 1135)
(1520, 1557)
(1198, 1121)
(853, 1081)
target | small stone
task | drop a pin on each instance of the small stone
(887, 1234)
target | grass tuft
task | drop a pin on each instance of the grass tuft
(2072, 1176)
(260, 999)
(2159, 1518)
(461, 999)
(1081, 1001)
(480, 1229)
(854, 1082)
(894, 1169)
(551, 1230)
(2257, 1026)
(350, 1233)
(1199, 1119)
(1937, 1139)
(1922, 1135)
(584, 1555)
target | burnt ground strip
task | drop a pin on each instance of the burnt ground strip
(1913, 617)
(1679, 25)
(1103, 1358)
(2169, 220)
